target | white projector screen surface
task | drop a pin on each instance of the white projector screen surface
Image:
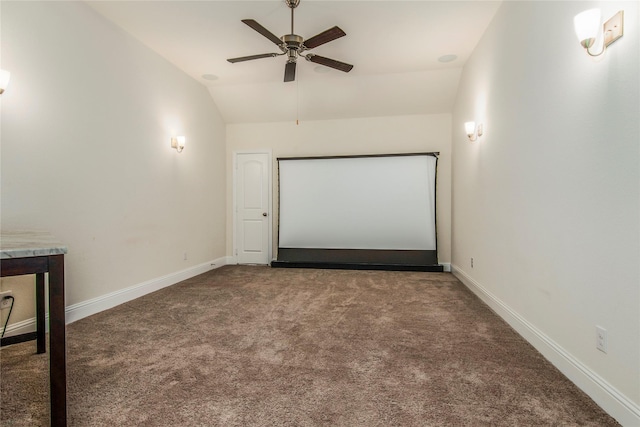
(377, 202)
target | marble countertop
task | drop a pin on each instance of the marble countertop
(21, 244)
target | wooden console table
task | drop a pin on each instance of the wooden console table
(39, 253)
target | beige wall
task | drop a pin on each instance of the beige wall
(547, 201)
(404, 134)
(86, 124)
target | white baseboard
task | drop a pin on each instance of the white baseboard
(83, 309)
(446, 266)
(24, 327)
(615, 403)
(87, 308)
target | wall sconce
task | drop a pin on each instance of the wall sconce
(587, 26)
(177, 142)
(4, 80)
(473, 131)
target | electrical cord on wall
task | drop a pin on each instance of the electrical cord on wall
(6, 322)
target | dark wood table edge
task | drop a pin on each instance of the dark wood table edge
(54, 265)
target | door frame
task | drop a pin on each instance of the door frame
(269, 154)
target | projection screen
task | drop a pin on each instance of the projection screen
(358, 209)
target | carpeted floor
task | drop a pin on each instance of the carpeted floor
(255, 346)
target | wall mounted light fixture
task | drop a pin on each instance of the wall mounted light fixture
(588, 27)
(177, 142)
(4, 80)
(473, 131)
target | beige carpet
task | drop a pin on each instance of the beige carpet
(255, 346)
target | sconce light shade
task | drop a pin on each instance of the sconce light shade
(474, 130)
(587, 25)
(4, 80)
(470, 128)
(177, 142)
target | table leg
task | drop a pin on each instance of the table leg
(57, 342)
(40, 314)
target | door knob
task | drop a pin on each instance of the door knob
(264, 214)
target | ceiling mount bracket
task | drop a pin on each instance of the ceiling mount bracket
(293, 3)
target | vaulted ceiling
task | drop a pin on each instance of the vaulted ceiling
(396, 47)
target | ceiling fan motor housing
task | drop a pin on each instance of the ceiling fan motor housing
(292, 41)
(292, 45)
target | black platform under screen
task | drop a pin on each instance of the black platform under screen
(358, 212)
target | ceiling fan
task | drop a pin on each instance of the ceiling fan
(294, 46)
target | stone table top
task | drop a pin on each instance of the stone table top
(22, 244)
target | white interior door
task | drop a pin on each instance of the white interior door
(253, 216)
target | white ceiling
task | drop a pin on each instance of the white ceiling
(393, 45)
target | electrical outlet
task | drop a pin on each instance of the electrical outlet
(601, 339)
(185, 255)
(471, 262)
(5, 303)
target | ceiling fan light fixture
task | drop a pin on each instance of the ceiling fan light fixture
(294, 46)
(292, 56)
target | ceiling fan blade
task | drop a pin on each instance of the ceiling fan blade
(290, 72)
(262, 30)
(342, 66)
(324, 37)
(249, 58)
